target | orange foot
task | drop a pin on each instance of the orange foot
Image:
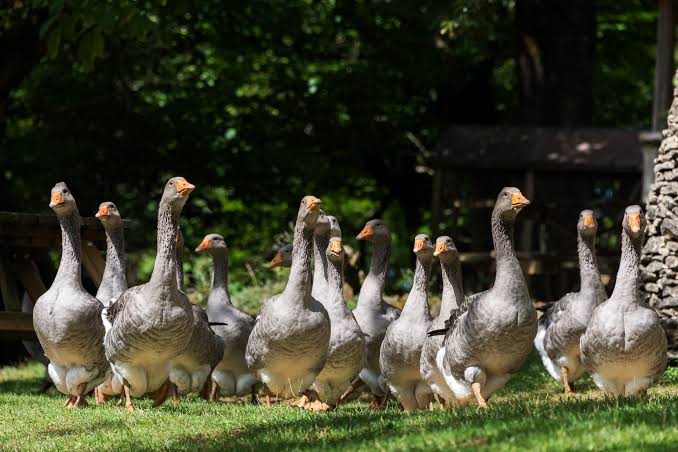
(317, 406)
(301, 403)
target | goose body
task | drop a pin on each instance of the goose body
(289, 343)
(372, 314)
(563, 323)
(67, 319)
(231, 376)
(493, 338)
(152, 323)
(624, 346)
(400, 353)
(347, 345)
(452, 301)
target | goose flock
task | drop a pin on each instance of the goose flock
(307, 348)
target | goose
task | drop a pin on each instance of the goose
(563, 323)
(400, 352)
(321, 237)
(113, 282)
(624, 346)
(152, 323)
(347, 346)
(372, 313)
(289, 342)
(231, 376)
(67, 319)
(282, 258)
(452, 301)
(493, 337)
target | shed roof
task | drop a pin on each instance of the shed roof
(540, 148)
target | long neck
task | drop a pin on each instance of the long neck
(373, 286)
(164, 269)
(220, 276)
(180, 266)
(588, 265)
(629, 270)
(417, 300)
(320, 242)
(116, 259)
(453, 294)
(509, 273)
(69, 268)
(298, 288)
(335, 284)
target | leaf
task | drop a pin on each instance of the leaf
(53, 42)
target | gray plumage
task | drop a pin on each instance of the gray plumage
(152, 323)
(33, 348)
(347, 345)
(372, 313)
(67, 319)
(624, 346)
(231, 373)
(563, 323)
(289, 342)
(493, 338)
(450, 307)
(400, 353)
(321, 237)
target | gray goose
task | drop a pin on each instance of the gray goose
(289, 342)
(372, 313)
(563, 323)
(113, 281)
(67, 319)
(400, 353)
(493, 337)
(230, 377)
(282, 258)
(321, 237)
(152, 323)
(452, 301)
(347, 345)
(624, 346)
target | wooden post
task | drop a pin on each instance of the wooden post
(663, 68)
(10, 294)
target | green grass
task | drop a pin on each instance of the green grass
(529, 413)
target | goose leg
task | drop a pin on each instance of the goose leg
(80, 400)
(350, 389)
(268, 400)
(213, 392)
(254, 399)
(174, 392)
(69, 401)
(479, 397)
(565, 373)
(128, 398)
(160, 395)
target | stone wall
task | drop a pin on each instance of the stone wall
(659, 265)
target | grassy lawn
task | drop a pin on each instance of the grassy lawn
(528, 413)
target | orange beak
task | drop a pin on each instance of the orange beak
(336, 248)
(440, 249)
(312, 203)
(519, 201)
(418, 245)
(103, 212)
(56, 199)
(276, 261)
(366, 232)
(184, 187)
(634, 222)
(204, 245)
(588, 220)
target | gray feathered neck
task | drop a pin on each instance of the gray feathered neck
(165, 268)
(298, 288)
(509, 276)
(70, 266)
(626, 286)
(371, 292)
(219, 278)
(416, 306)
(453, 294)
(114, 280)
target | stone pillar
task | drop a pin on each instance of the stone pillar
(659, 263)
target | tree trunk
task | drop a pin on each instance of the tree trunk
(555, 60)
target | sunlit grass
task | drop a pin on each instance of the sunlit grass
(530, 413)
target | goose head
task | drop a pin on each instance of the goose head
(62, 200)
(212, 243)
(108, 214)
(446, 250)
(423, 246)
(510, 202)
(335, 250)
(335, 229)
(374, 231)
(176, 192)
(634, 221)
(322, 226)
(283, 258)
(309, 211)
(587, 226)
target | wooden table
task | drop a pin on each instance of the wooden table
(25, 238)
